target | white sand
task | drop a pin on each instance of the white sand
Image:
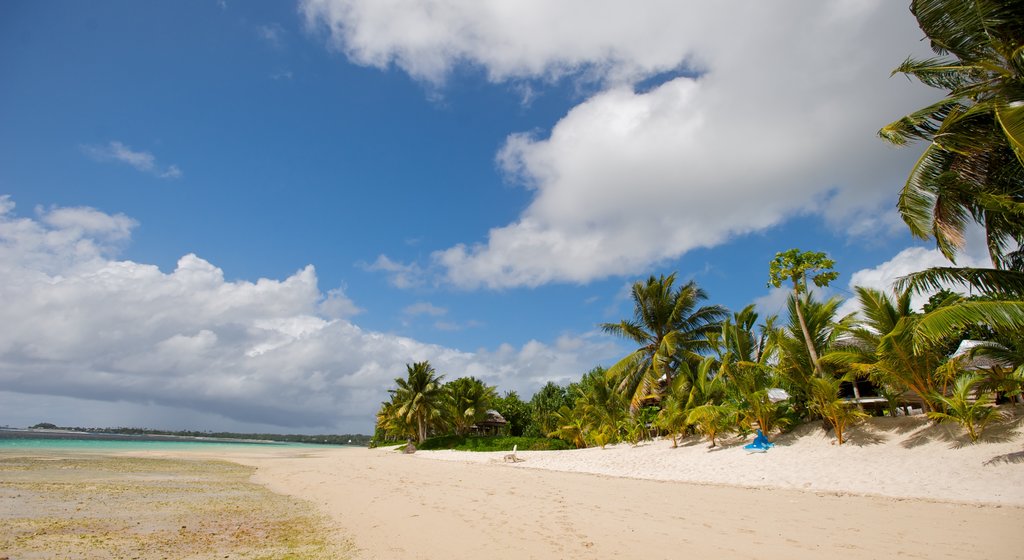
(892, 457)
(472, 505)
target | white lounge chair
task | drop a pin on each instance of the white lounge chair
(511, 457)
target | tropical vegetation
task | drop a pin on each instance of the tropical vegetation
(694, 368)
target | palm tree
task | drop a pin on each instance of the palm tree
(419, 397)
(390, 425)
(600, 405)
(669, 327)
(569, 426)
(793, 365)
(972, 414)
(825, 401)
(972, 168)
(796, 267)
(468, 401)
(713, 419)
(882, 346)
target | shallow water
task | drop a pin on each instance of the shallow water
(114, 442)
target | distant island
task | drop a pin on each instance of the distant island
(323, 439)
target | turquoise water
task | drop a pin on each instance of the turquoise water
(134, 445)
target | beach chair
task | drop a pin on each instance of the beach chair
(511, 457)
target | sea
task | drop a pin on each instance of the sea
(81, 441)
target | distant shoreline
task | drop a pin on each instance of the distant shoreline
(8, 433)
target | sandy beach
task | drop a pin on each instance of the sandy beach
(901, 488)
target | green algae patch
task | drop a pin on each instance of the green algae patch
(137, 508)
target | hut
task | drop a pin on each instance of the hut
(491, 425)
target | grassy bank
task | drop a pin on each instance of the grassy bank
(104, 507)
(467, 443)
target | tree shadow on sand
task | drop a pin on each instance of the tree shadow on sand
(1000, 431)
(1008, 458)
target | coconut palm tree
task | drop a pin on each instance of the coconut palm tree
(467, 402)
(972, 169)
(973, 414)
(419, 397)
(825, 402)
(793, 364)
(669, 327)
(600, 405)
(713, 419)
(882, 347)
(973, 166)
(569, 426)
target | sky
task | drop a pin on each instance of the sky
(250, 216)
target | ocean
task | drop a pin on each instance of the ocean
(58, 440)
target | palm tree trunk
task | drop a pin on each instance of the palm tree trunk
(807, 335)
(856, 396)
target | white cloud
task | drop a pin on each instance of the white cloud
(401, 275)
(780, 119)
(916, 259)
(142, 161)
(337, 305)
(194, 347)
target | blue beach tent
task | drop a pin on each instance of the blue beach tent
(760, 443)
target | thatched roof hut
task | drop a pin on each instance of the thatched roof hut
(492, 423)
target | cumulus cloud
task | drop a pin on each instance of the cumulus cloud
(400, 275)
(142, 161)
(916, 259)
(760, 118)
(92, 328)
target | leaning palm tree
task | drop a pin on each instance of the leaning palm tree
(419, 397)
(794, 366)
(669, 327)
(972, 169)
(973, 166)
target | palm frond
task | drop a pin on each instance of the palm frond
(988, 281)
(948, 321)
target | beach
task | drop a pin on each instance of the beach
(902, 488)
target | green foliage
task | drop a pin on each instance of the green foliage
(668, 327)
(972, 168)
(544, 407)
(796, 267)
(569, 427)
(419, 398)
(959, 406)
(515, 411)
(882, 347)
(500, 443)
(825, 401)
(713, 419)
(467, 402)
(600, 406)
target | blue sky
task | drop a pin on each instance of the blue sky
(473, 183)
